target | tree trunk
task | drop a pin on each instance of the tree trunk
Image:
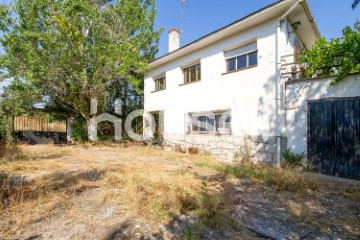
(92, 126)
(9, 129)
(92, 129)
(69, 129)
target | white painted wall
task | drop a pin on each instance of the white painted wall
(250, 93)
(297, 95)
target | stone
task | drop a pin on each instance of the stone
(271, 140)
(254, 159)
(252, 153)
(265, 157)
(218, 151)
(227, 145)
(207, 148)
(230, 156)
(257, 139)
(260, 147)
(212, 145)
(270, 148)
(264, 139)
(180, 148)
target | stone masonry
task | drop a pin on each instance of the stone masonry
(257, 149)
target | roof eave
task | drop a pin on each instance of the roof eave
(231, 29)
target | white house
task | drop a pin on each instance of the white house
(224, 93)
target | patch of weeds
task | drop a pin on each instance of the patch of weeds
(160, 197)
(276, 178)
(206, 153)
(188, 233)
(92, 175)
(237, 155)
(114, 177)
(187, 201)
(209, 208)
(60, 181)
(17, 189)
(3, 177)
(12, 152)
(352, 193)
(292, 159)
(207, 164)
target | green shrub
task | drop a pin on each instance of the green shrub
(79, 131)
(292, 158)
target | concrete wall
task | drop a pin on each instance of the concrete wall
(297, 95)
(250, 94)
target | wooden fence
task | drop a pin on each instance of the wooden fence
(31, 124)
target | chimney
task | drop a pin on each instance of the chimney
(174, 39)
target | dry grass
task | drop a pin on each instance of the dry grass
(162, 195)
(11, 152)
(142, 182)
(278, 179)
(155, 185)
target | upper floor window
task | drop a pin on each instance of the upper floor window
(192, 73)
(160, 83)
(242, 57)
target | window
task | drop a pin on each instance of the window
(219, 122)
(160, 83)
(192, 73)
(242, 57)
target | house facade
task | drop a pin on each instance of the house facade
(224, 93)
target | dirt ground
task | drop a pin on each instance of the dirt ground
(135, 192)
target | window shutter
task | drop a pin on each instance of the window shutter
(252, 47)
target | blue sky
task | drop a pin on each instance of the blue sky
(201, 17)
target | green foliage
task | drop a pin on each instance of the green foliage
(355, 3)
(188, 233)
(338, 57)
(73, 50)
(18, 98)
(79, 133)
(292, 158)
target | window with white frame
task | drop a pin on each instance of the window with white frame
(211, 122)
(160, 83)
(192, 73)
(242, 57)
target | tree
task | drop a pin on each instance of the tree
(18, 98)
(338, 57)
(355, 3)
(72, 50)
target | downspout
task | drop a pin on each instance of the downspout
(278, 97)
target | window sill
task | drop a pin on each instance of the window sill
(158, 91)
(183, 84)
(209, 134)
(239, 70)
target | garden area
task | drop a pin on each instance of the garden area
(130, 191)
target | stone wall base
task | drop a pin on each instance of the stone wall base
(255, 149)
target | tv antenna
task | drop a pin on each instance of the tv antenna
(183, 3)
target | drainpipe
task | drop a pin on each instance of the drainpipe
(279, 110)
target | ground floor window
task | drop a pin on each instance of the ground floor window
(210, 122)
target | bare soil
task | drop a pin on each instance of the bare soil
(132, 192)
